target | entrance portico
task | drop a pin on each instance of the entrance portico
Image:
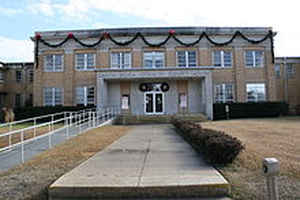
(165, 91)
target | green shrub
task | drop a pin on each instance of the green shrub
(216, 146)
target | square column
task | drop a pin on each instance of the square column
(101, 92)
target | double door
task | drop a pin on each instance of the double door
(154, 102)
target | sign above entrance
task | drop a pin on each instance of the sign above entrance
(147, 87)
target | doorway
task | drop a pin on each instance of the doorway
(154, 103)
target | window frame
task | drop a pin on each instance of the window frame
(53, 96)
(85, 95)
(154, 59)
(223, 98)
(20, 100)
(256, 97)
(222, 56)
(292, 72)
(19, 79)
(122, 59)
(85, 66)
(277, 70)
(186, 56)
(53, 67)
(254, 59)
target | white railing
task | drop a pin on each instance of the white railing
(78, 122)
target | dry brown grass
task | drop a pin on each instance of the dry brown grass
(30, 180)
(271, 137)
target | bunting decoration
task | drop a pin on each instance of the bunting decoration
(171, 34)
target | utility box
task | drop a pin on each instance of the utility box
(270, 166)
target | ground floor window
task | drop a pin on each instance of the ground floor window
(18, 100)
(53, 96)
(224, 93)
(85, 95)
(256, 92)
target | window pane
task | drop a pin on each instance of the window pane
(148, 60)
(249, 58)
(48, 96)
(126, 60)
(227, 59)
(1, 76)
(48, 63)
(58, 62)
(80, 95)
(80, 61)
(217, 58)
(277, 70)
(224, 93)
(115, 60)
(290, 70)
(18, 100)
(192, 58)
(181, 59)
(258, 58)
(18, 76)
(90, 95)
(90, 60)
(159, 58)
(256, 92)
(58, 96)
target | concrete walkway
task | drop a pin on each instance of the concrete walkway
(151, 161)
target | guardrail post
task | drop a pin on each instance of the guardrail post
(34, 129)
(49, 137)
(80, 118)
(52, 119)
(67, 126)
(90, 119)
(94, 119)
(9, 137)
(22, 146)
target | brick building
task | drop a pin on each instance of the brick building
(287, 73)
(160, 71)
(16, 84)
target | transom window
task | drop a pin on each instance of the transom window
(53, 96)
(186, 59)
(256, 92)
(224, 93)
(121, 60)
(85, 95)
(154, 59)
(254, 58)
(290, 70)
(85, 61)
(222, 58)
(53, 63)
(277, 70)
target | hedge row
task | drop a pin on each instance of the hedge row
(250, 109)
(28, 112)
(216, 146)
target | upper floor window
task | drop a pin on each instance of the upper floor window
(186, 59)
(1, 76)
(290, 70)
(18, 76)
(256, 92)
(254, 58)
(222, 58)
(154, 59)
(30, 75)
(53, 96)
(277, 70)
(53, 63)
(85, 61)
(121, 60)
(223, 93)
(85, 95)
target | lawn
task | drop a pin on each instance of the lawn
(267, 137)
(30, 180)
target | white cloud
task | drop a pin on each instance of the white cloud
(44, 7)
(15, 50)
(282, 16)
(9, 11)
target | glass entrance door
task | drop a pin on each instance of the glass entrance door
(154, 103)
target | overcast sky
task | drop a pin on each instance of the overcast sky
(19, 19)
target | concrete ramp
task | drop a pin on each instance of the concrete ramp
(150, 162)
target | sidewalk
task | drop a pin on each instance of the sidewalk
(151, 161)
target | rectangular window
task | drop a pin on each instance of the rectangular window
(30, 75)
(154, 59)
(186, 59)
(18, 76)
(290, 70)
(254, 58)
(277, 70)
(121, 60)
(53, 96)
(256, 92)
(85, 61)
(18, 100)
(222, 58)
(85, 95)
(53, 63)
(1, 76)
(224, 93)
